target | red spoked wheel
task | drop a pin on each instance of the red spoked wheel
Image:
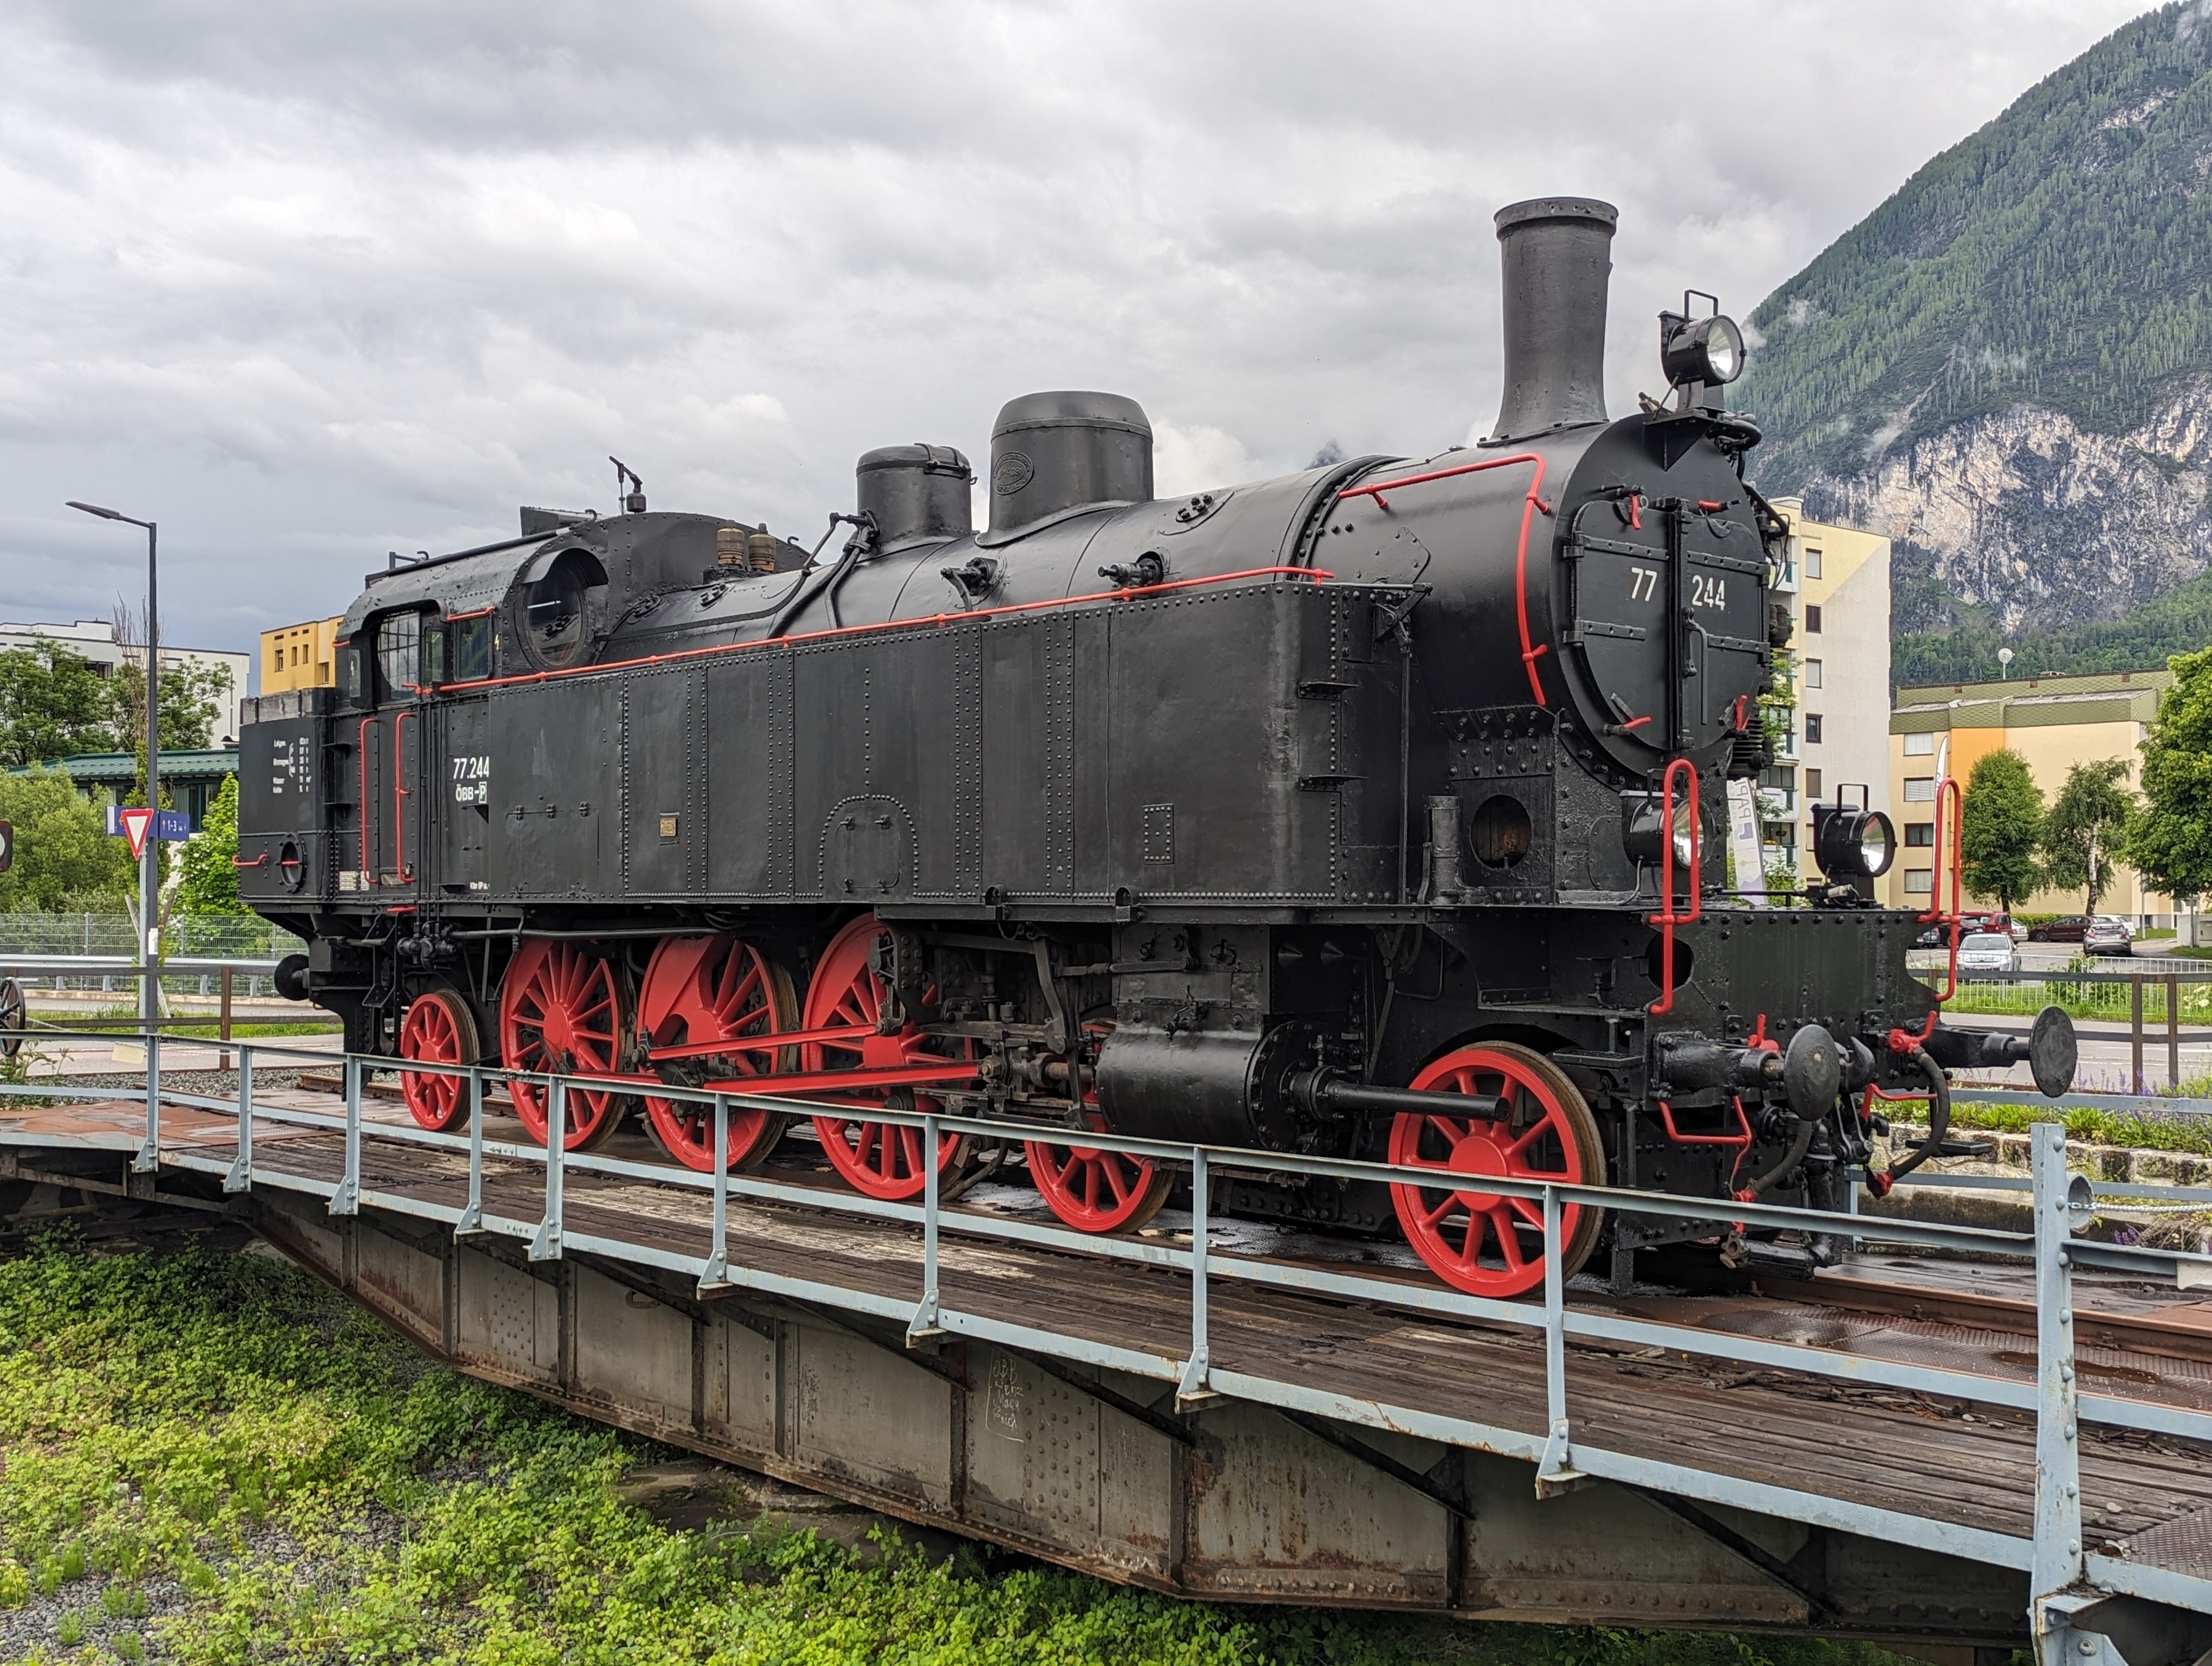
(881, 1159)
(1098, 1191)
(700, 989)
(562, 1008)
(440, 1029)
(1481, 1242)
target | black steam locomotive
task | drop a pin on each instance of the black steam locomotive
(1364, 811)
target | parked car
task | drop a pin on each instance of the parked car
(2108, 937)
(2067, 928)
(1937, 936)
(1988, 951)
(2122, 922)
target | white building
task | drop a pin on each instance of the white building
(95, 639)
(1836, 579)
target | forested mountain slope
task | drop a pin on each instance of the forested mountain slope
(2008, 366)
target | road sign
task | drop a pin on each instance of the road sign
(176, 826)
(7, 845)
(135, 821)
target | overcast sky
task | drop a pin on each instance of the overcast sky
(310, 283)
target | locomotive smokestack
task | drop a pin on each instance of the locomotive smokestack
(1558, 257)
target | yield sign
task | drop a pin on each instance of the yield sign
(136, 822)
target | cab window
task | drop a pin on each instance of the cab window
(469, 648)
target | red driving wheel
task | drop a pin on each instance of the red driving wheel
(440, 1029)
(699, 989)
(1481, 1242)
(882, 1159)
(1098, 1191)
(560, 1009)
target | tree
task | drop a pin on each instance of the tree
(2170, 844)
(209, 882)
(53, 702)
(63, 847)
(2086, 833)
(2000, 827)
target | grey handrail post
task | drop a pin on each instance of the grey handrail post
(471, 1218)
(1195, 1386)
(717, 1269)
(546, 1245)
(150, 1154)
(2172, 1033)
(1555, 1471)
(2135, 1031)
(241, 1177)
(925, 1320)
(2057, 1552)
(346, 1201)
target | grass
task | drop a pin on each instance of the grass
(197, 1027)
(2093, 1127)
(294, 1485)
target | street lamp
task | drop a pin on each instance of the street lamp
(149, 859)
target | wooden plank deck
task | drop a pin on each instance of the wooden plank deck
(1971, 1466)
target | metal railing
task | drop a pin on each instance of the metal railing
(2053, 1553)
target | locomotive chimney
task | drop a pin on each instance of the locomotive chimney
(1557, 255)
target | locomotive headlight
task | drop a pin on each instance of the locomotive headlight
(1705, 349)
(1643, 836)
(1855, 844)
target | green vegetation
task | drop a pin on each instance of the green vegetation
(2179, 621)
(2000, 828)
(2170, 844)
(320, 1493)
(2060, 255)
(54, 702)
(2085, 835)
(207, 882)
(2095, 1128)
(63, 851)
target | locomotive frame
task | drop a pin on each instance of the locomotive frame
(1357, 812)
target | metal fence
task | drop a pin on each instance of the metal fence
(236, 937)
(2053, 1554)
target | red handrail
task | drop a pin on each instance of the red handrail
(1948, 796)
(361, 746)
(1667, 917)
(1530, 503)
(1741, 1141)
(399, 790)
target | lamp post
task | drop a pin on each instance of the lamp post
(150, 861)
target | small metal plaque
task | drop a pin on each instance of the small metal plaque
(1159, 832)
(668, 827)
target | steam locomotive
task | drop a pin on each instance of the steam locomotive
(1366, 812)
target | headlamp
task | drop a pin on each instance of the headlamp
(1854, 845)
(1705, 349)
(1645, 839)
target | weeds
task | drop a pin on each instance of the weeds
(227, 1425)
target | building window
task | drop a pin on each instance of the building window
(1813, 567)
(1811, 728)
(1778, 778)
(1783, 834)
(1812, 783)
(1812, 673)
(1920, 745)
(1919, 881)
(1920, 789)
(1919, 836)
(1813, 621)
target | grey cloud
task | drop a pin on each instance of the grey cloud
(313, 283)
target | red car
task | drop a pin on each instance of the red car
(2067, 928)
(1937, 936)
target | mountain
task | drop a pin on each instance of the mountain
(2179, 621)
(2008, 366)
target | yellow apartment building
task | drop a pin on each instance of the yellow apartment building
(1836, 579)
(298, 656)
(2053, 722)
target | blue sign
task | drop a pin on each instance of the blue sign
(175, 825)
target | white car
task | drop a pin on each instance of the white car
(1988, 951)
